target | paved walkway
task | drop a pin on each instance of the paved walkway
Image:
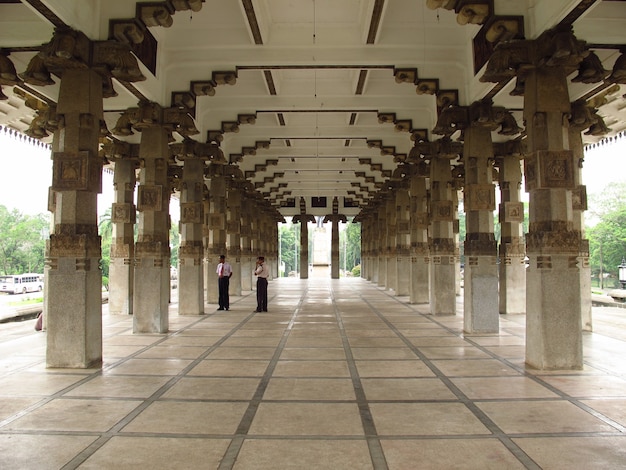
(337, 375)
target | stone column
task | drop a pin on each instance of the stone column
(582, 118)
(442, 247)
(420, 255)
(233, 237)
(216, 245)
(334, 219)
(403, 239)
(553, 303)
(190, 253)
(123, 218)
(246, 245)
(512, 268)
(391, 248)
(480, 307)
(74, 282)
(303, 218)
(382, 244)
(152, 251)
(366, 243)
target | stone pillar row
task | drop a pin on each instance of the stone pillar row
(557, 273)
(140, 274)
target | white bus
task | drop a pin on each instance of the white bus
(21, 283)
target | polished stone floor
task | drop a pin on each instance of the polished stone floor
(337, 375)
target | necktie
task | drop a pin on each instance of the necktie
(222, 270)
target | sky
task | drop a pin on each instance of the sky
(27, 174)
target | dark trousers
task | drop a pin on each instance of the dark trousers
(261, 294)
(222, 288)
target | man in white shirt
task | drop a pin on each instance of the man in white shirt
(262, 273)
(224, 272)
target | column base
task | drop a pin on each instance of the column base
(480, 305)
(190, 288)
(553, 323)
(443, 280)
(74, 315)
(151, 296)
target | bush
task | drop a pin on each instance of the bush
(356, 271)
(105, 282)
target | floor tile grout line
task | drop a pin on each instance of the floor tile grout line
(537, 379)
(377, 454)
(230, 456)
(81, 457)
(515, 450)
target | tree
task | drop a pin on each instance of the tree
(350, 240)
(289, 245)
(607, 238)
(22, 244)
(105, 230)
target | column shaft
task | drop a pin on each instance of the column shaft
(553, 323)
(190, 253)
(420, 260)
(123, 218)
(512, 268)
(152, 256)
(74, 279)
(442, 275)
(480, 307)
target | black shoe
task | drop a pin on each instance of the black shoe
(226, 308)
(220, 308)
(257, 311)
(265, 310)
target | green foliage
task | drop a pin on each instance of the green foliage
(350, 246)
(356, 271)
(289, 235)
(105, 230)
(174, 245)
(607, 238)
(22, 244)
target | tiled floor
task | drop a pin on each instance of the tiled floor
(337, 375)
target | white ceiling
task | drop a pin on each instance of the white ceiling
(331, 67)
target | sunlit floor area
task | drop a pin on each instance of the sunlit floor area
(338, 374)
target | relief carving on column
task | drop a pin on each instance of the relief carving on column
(191, 212)
(120, 249)
(78, 172)
(511, 212)
(147, 247)
(191, 249)
(480, 244)
(420, 248)
(149, 198)
(442, 211)
(545, 169)
(123, 213)
(442, 246)
(480, 197)
(579, 198)
(73, 246)
(553, 241)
